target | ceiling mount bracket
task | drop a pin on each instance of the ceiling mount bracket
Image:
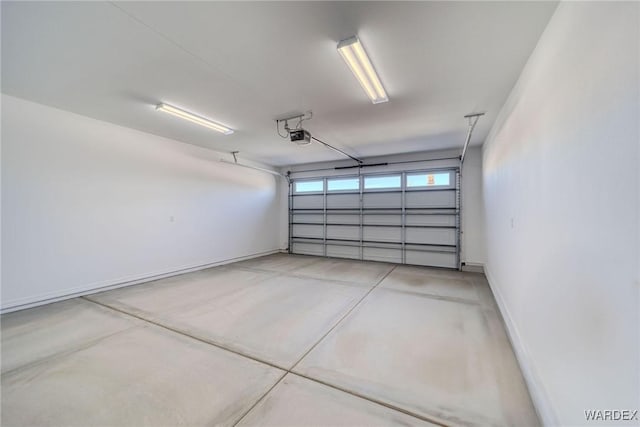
(472, 120)
(300, 117)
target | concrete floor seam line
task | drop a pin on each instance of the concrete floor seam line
(343, 317)
(377, 402)
(54, 356)
(151, 322)
(435, 297)
(336, 281)
(294, 275)
(260, 399)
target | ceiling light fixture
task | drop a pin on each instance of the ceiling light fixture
(194, 118)
(356, 58)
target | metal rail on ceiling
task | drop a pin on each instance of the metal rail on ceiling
(473, 120)
(236, 163)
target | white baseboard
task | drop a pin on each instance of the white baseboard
(34, 301)
(540, 399)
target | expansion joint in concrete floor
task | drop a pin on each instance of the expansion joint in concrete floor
(177, 331)
(337, 339)
(289, 370)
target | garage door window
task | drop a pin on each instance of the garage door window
(309, 186)
(343, 184)
(381, 182)
(428, 180)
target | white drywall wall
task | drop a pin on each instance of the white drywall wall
(561, 192)
(87, 204)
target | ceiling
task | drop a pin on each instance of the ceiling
(245, 64)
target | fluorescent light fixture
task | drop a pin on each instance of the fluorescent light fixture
(194, 118)
(356, 58)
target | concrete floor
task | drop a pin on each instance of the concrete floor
(277, 340)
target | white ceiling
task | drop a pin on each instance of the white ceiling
(245, 64)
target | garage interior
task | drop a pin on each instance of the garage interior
(320, 213)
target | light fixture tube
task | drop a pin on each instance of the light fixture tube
(355, 56)
(194, 118)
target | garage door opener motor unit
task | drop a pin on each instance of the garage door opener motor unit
(303, 137)
(300, 136)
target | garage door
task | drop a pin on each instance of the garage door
(411, 217)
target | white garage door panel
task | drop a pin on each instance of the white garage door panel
(315, 218)
(385, 255)
(342, 201)
(315, 201)
(343, 232)
(382, 200)
(313, 231)
(343, 219)
(436, 259)
(432, 236)
(433, 248)
(343, 251)
(308, 248)
(409, 224)
(433, 220)
(382, 219)
(431, 199)
(382, 234)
